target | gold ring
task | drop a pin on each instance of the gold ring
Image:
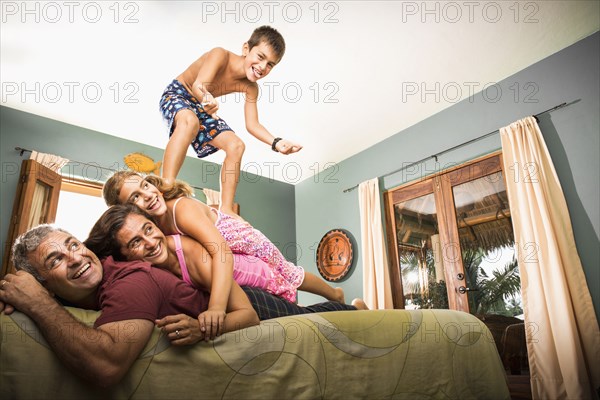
(177, 333)
(4, 283)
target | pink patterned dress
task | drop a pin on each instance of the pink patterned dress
(243, 238)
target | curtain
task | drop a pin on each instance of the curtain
(563, 339)
(212, 197)
(54, 162)
(377, 291)
(39, 205)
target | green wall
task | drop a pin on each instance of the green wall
(262, 201)
(571, 134)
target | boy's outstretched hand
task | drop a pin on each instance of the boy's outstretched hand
(285, 146)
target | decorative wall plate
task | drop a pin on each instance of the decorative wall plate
(334, 255)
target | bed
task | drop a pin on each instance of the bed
(421, 354)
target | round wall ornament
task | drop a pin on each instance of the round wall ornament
(334, 255)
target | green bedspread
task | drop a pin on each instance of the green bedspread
(424, 354)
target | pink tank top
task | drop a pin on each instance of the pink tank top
(247, 270)
(185, 275)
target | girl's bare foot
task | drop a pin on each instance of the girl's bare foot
(360, 304)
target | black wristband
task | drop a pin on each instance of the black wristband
(273, 146)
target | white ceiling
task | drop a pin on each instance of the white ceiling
(347, 80)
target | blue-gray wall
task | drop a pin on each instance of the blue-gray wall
(267, 204)
(572, 135)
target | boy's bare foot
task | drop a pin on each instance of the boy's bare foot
(339, 295)
(167, 184)
(360, 304)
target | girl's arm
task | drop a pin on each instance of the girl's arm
(258, 130)
(193, 220)
(184, 330)
(240, 313)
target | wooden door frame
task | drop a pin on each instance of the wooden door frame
(440, 184)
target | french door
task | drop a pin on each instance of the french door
(451, 242)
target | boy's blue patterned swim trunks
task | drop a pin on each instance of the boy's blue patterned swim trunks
(176, 98)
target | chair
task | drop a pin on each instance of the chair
(514, 348)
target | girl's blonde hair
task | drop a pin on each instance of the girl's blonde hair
(114, 184)
(178, 189)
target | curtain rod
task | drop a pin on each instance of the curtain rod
(22, 151)
(435, 156)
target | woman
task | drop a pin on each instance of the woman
(175, 211)
(128, 234)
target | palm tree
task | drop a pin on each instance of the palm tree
(502, 287)
(435, 294)
(493, 294)
(489, 294)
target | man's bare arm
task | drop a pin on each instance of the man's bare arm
(101, 355)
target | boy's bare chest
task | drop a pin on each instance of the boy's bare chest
(225, 85)
(220, 85)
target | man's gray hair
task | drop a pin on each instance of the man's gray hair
(29, 242)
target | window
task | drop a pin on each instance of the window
(80, 206)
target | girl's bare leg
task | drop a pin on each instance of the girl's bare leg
(314, 284)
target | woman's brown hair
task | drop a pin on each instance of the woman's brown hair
(102, 239)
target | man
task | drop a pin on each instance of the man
(103, 354)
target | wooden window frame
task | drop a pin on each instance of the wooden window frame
(82, 186)
(32, 173)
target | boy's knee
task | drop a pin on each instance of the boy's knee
(235, 146)
(187, 121)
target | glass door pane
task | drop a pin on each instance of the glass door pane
(487, 246)
(421, 263)
(490, 265)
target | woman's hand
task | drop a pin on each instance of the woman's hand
(181, 329)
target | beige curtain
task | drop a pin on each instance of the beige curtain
(51, 161)
(376, 281)
(212, 197)
(563, 339)
(39, 205)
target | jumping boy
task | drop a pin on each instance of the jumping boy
(189, 107)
